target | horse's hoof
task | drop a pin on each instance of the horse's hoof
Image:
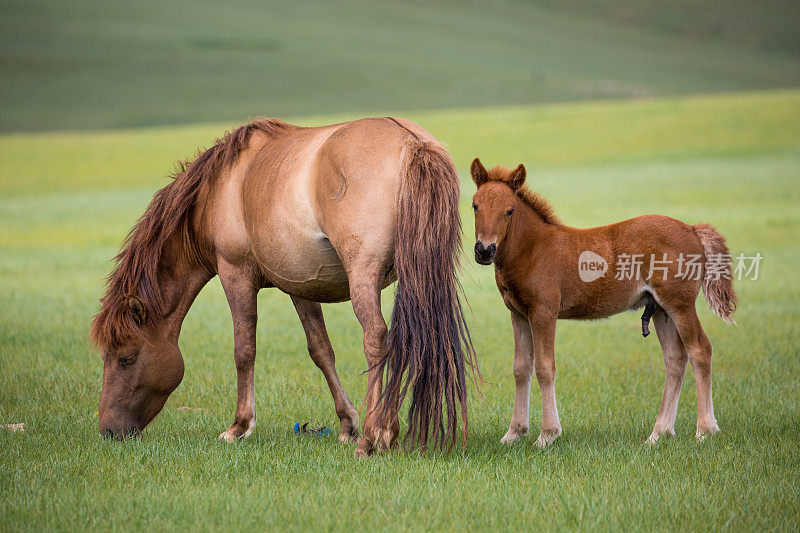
(361, 453)
(349, 432)
(365, 448)
(346, 438)
(228, 437)
(235, 432)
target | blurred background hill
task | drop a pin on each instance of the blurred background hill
(109, 64)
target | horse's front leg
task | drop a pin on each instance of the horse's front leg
(241, 290)
(366, 299)
(523, 368)
(543, 327)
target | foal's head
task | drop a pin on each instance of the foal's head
(493, 204)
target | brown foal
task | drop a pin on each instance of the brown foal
(546, 271)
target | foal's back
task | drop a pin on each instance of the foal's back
(642, 256)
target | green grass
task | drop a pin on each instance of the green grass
(104, 64)
(67, 199)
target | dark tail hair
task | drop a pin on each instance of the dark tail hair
(717, 277)
(429, 345)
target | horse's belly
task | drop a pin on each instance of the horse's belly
(309, 268)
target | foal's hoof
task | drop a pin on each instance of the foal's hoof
(547, 436)
(706, 431)
(237, 432)
(511, 437)
(658, 433)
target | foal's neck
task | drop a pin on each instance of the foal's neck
(527, 230)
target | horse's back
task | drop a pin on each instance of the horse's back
(314, 199)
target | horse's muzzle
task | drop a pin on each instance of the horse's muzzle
(129, 433)
(484, 255)
(121, 432)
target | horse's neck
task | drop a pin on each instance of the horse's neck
(181, 278)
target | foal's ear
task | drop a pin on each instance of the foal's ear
(136, 307)
(479, 174)
(518, 177)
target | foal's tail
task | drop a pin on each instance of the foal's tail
(717, 276)
(429, 345)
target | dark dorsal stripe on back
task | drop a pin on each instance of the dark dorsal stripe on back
(408, 130)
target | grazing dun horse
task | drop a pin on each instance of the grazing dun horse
(546, 271)
(324, 214)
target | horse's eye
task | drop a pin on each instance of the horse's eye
(474, 207)
(510, 212)
(125, 362)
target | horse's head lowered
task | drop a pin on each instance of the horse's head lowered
(139, 373)
(493, 205)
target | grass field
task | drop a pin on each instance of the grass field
(94, 64)
(67, 199)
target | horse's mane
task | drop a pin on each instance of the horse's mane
(532, 199)
(136, 269)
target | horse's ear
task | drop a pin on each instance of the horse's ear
(518, 177)
(479, 174)
(136, 307)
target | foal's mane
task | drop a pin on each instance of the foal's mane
(532, 199)
(169, 212)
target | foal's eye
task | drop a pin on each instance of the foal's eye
(510, 212)
(125, 362)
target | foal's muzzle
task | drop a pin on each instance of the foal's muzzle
(485, 254)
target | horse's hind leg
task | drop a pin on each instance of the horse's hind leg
(675, 359)
(321, 352)
(365, 296)
(699, 348)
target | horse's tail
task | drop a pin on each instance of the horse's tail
(717, 275)
(428, 346)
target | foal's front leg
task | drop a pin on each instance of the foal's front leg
(241, 291)
(543, 327)
(523, 368)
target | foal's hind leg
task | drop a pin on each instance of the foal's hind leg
(699, 348)
(321, 352)
(675, 359)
